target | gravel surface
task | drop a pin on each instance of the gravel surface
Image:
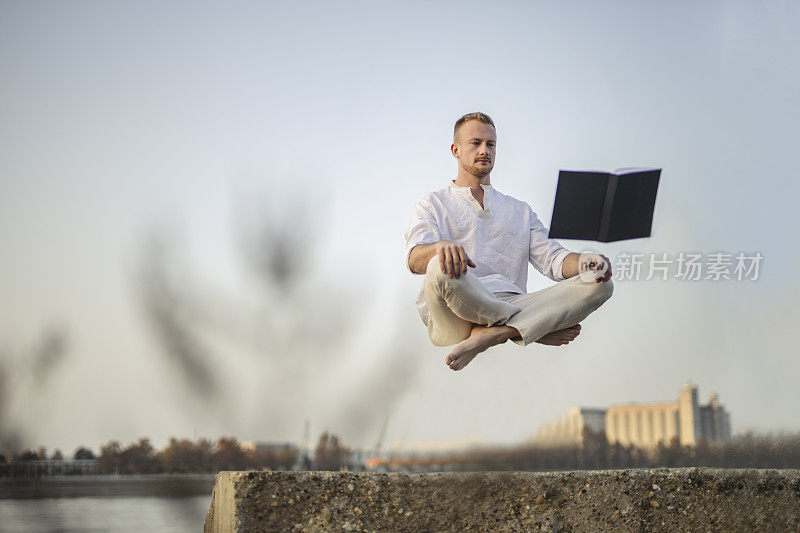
(684, 499)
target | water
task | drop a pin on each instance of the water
(172, 504)
(175, 515)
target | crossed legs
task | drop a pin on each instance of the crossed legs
(463, 312)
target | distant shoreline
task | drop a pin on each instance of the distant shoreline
(107, 486)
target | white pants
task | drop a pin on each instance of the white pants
(457, 304)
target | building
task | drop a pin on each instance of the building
(570, 428)
(643, 425)
(268, 447)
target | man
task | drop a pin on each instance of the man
(473, 245)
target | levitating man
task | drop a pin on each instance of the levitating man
(473, 245)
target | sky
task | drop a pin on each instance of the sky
(181, 141)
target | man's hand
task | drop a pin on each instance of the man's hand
(453, 260)
(595, 267)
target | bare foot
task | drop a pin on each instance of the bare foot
(562, 336)
(480, 339)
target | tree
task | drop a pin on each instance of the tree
(139, 458)
(671, 455)
(82, 454)
(330, 454)
(228, 455)
(57, 455)
(110, 459)
(27, 455)
(274, 459)
(595, 450)
(182, 456)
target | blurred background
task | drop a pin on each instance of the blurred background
(202, 208)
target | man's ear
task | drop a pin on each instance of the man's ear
(454, 150)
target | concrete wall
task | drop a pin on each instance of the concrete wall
(611, 500)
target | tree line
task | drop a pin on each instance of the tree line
(596, 453)
(182, 456)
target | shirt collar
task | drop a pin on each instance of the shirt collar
(460, 187)
(483, 212)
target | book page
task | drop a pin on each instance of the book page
(616, 171)
(631, 170)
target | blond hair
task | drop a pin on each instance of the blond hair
(482, 117)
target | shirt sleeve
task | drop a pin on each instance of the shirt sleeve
(546, 255)
(422, 229)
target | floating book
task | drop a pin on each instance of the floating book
(604, 206)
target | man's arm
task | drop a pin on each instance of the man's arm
(453, 259)
(546, 252)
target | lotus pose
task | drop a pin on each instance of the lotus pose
(473, 244)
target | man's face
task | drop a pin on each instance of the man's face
(474, 147)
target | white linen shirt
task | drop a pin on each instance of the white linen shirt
(500, 238)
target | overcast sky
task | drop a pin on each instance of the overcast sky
(187, 120)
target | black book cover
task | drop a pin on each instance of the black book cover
(605, 206)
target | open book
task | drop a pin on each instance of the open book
(605, 206)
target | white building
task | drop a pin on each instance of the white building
(643, 425)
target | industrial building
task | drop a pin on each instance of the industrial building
(643, 425)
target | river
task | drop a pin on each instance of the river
(168, 503)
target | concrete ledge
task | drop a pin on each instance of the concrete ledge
(686, 499)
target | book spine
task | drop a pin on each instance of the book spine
(608, 204)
